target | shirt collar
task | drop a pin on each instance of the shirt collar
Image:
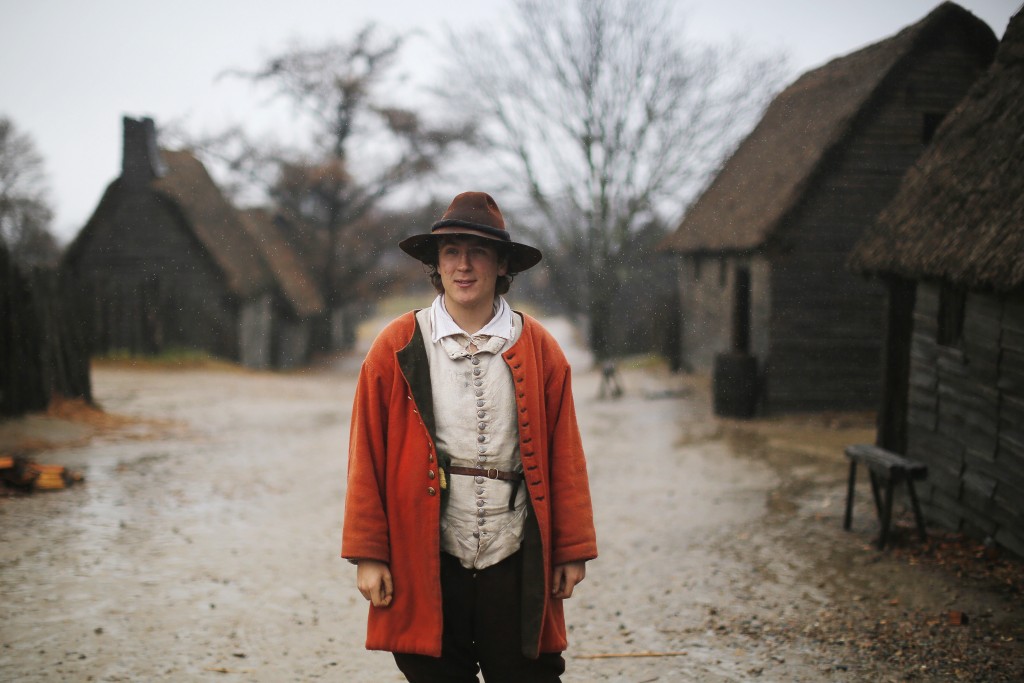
(502, 324)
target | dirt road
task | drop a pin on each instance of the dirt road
(204, 547)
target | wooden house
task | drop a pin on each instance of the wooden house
(761, 251)
(950, 246)
(300, 304)
(166, 262)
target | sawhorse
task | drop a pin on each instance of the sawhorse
(893, 469)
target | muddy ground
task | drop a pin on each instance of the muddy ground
(203, 545)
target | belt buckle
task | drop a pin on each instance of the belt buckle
(492, 473)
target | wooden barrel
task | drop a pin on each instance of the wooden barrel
(734, 384)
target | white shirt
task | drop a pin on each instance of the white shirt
(475, 418)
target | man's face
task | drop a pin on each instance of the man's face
(469, 268)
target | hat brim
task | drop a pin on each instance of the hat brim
(424, 248)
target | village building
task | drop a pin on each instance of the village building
(167, 263)
(761, 251)
(950, 247)
(300, 304)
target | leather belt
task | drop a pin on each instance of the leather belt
(490, 474)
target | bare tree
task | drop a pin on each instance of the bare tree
(25, 212)
(603, 118)
(360, 149)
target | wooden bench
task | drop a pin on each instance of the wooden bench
(893, 469)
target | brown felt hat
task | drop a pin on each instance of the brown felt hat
(477, 214)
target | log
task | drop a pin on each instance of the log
(31, 476)
(48, 477)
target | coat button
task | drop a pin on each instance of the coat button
(476, 372)
(481, 414)
(480, 403)
(430, 474)
(482, 426)
(479, 503)
(475, 361)
(431, 491)
(479, 480)
(481, 438)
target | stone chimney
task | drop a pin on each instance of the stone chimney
(141, 162)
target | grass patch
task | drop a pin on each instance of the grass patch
(175, 358)
(643, 361)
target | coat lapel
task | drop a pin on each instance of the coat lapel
(412, 361)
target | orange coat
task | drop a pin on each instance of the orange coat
(394, 495)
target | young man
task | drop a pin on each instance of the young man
(468, 507)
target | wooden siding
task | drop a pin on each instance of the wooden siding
(255, 327)
(150, 284)
(966, 417)
(826, 323)
(291, 341)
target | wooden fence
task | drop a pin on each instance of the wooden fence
(42, 349)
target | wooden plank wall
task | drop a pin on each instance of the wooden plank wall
(966, 417)
(150, 285)
(827, 324)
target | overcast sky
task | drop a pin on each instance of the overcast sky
(69, 70)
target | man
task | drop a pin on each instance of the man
(468, 507)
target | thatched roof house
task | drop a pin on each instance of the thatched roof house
(767, 177)
(783, 212)
(300, 302)
(959, 215)
(301, 294)
(167, 262)
(214, 222)
(951, 248)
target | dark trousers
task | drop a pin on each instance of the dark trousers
(481, 630)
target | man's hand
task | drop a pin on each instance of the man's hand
(564, 578)
(373, 578)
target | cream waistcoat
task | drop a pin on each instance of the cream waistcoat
(476, 423)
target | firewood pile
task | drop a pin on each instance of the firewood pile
(20, 473)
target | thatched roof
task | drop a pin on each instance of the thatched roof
(768, 174)
(203, 211)
(959, 214)
(291, 273)
(214, 221)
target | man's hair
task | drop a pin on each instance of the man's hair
(504, 282)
